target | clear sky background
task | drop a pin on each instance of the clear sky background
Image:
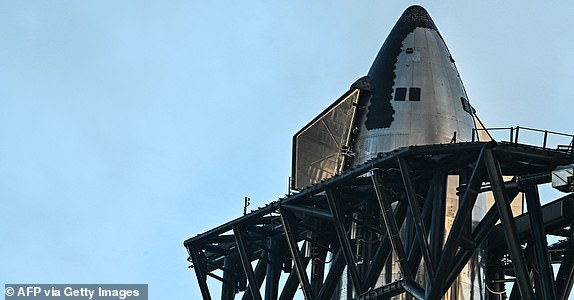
(127, 127)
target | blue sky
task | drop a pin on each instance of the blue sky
(127, 127)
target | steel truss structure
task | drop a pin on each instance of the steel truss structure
(356, 220)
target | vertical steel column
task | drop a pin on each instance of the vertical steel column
(540, 244)
(199, 272)
(318, 269)
(228, 287)
(273, 270)
(391, 224)
(463, 180)
(420, 231)
(509, 225)
(290, 233)
(343, 240)
(462, 217)
(438, 216)
(239, 235)
(565, 276)
(365, 247)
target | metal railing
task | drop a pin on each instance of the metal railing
(516, 135)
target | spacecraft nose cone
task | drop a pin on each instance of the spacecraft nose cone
(413, 17)
(416, 16)
(382, 73)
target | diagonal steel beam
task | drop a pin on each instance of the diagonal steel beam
(337, 212)
(391, 224)
(414, 289)
(259, 273)
(540, 244)
(463, 256)
(479, 235)
(240, 234)
(383, 250)
(420, 230)
(333, 277)
(290, 286)
(535, 278)
(199, 272)
(505, 213)
(287, 219)
(415, 254)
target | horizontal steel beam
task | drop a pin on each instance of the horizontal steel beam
(311, 211)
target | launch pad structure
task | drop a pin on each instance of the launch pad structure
(400, 192)
(393, 208)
